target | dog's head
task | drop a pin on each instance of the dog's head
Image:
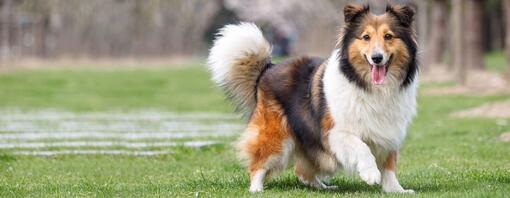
(379, 49)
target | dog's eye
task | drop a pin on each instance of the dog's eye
(388, 37)
(366, 37)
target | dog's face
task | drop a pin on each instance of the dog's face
(379, 46)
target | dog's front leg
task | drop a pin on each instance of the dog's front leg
(389, 178)
(355, 155)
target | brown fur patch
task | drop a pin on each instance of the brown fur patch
(316, 87)
(272, 132)
(391, 161)
(304, 169)
(327, 123)
(327, 161)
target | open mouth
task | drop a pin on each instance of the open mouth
(378, 73)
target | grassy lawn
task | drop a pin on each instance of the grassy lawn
(175, 89)
(442, 156)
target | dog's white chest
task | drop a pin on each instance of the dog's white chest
(379, 120)
(378, 117)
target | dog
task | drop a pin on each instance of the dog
(349, 112)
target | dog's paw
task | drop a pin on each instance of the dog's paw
(317, 183)
(332, 187)
(399, 190)
(371, 176)
(256, 188)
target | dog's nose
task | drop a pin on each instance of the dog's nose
(377, 58)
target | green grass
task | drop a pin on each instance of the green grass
(177, 89)
(442, 157)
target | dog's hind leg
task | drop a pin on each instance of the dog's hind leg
(268, 162)
(355, 155)
(257, 180)
(308, 174)
(267, 144)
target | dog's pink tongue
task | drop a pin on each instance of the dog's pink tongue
(378, 75)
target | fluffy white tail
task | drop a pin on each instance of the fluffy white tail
(239, 55)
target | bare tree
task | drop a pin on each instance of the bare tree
(110, 28)
(437, 42)
(6, 21)
(506, 5)
(458, 40)
(474, 34)
(422, 21)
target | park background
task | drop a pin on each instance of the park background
(113, 98)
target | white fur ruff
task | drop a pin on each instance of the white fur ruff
(378, 118)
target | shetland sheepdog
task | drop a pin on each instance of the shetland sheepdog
(349, 112)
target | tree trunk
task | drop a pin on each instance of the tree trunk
(6, 21)
(44, 29)
(495, 21)
(506, 6)
(458, 41)
(437, 42)
(422, 22)
(474, 32)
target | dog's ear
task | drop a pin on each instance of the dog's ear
(404, 14)
(353, 11)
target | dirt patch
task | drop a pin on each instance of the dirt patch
(478, 82)
(464, 90)
(491, 110)
(436, 74)
(505, 137)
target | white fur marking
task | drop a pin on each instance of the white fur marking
(390, 183)
(234, 42)
(354, 154)
(257, 181)
(379, 117)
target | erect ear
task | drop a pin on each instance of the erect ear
(352, 11)
(404, 14)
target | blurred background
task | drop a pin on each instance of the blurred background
(113, 97)
(455, 35)
(56, 29)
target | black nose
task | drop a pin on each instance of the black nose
(377, 58)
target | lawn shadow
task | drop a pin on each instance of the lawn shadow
(344, 185)
(7, 158)
(283, 183)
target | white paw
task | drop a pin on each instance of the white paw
(256, 188)
(371, 176)
(398, 190)
(330, 187)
